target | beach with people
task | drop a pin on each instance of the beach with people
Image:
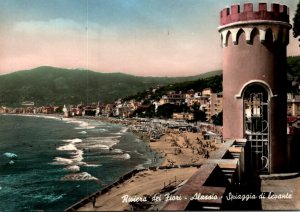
(181, 152)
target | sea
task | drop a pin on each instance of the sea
(49, 163)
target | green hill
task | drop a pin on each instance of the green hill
(294, 66)
(48, 85)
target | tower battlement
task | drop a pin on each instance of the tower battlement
(230, 15)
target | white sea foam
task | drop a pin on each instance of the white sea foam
(78, 157)
(69, 147)
(73, 168)
(83, 125)
(62, 161)
(148, 162)
(125, 156)
(82, 176)
(99, 130)
(85, 128)
(140, 166)
(75, 140)
(92, 165)
(93, 142)
(82, 132)
(98, 146)
(10, 155)
(124, 129)
(37, 116)
(117, 151)
(138, 152)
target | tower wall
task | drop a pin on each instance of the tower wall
(254, 50)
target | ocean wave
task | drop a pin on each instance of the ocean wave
(68, 147)
(138, 152)
(77, 156)
(98, 146)
(62, 161)
(37, 116)
(93, 142)
(140, 166)
(10, 155)
(117, 151)
(125, 156)
(124, 129)
(83, 125)
(84, 128)
(74, 121)
(92, 165)
(148, 162)
(82, 132)
(73, 168)
(48, 198)
(82, 176)
(99, 130)
(75, 140)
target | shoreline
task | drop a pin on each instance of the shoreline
(176, 155)
(173, 147)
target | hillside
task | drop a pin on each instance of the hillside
(294, 66)
(209, 80)
(48, 85)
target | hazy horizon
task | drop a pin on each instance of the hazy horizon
(137, 37)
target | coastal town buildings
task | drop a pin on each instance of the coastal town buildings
(173, 98)
(293, 105)
(183, 116)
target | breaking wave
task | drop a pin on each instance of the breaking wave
(73, 168)
(75, 140)
(10, 155)
(92, 165)
(82, 176)
(68, 147)
(98, 146)
(62, 161)
(125, 156)
(117, 151)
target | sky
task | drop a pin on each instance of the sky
(138, 37)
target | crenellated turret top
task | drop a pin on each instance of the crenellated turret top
(278, 13)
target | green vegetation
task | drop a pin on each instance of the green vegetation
(296, 28)
(167, 110)
(214, 82)
(218, 119)
(57, 86)
(294, 66)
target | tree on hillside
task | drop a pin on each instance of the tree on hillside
(199, 115)
(296, 28)
(218, 119)
(167, 110)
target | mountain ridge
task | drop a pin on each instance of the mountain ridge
(47, 85)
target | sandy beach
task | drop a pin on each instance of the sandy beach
(183, 148)
(176, 148)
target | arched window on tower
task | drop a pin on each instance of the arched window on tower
(254, 37)
(256, 127)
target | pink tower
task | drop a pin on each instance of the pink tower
(254, 83)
